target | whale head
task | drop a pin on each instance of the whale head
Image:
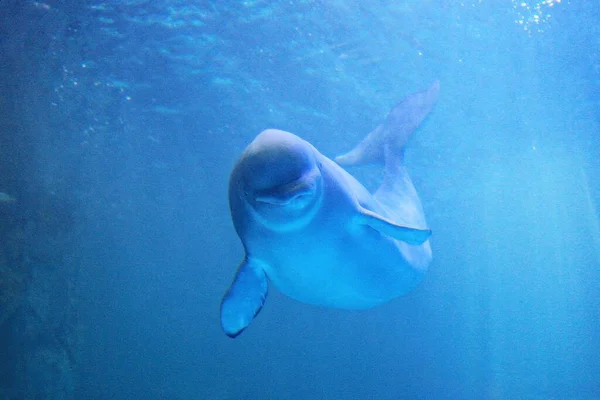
(280, 180)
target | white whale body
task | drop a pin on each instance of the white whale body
(315, 232)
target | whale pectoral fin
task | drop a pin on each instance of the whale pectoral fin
(244, 299)
(409, 235)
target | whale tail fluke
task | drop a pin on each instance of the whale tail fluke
(391, 136)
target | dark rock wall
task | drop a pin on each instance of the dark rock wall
(37, 211)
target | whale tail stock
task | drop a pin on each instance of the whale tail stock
(391, 136)
(386, 144)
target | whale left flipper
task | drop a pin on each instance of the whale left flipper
(244, 299)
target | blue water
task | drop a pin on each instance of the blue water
(122, 120)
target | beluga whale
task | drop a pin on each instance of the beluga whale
(315, 232)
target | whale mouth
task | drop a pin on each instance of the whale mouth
(289, 205)
(295, 194)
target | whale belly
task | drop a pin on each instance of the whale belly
(347, 271)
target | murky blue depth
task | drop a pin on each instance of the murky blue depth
(120, 122)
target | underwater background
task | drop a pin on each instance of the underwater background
(121, 120)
